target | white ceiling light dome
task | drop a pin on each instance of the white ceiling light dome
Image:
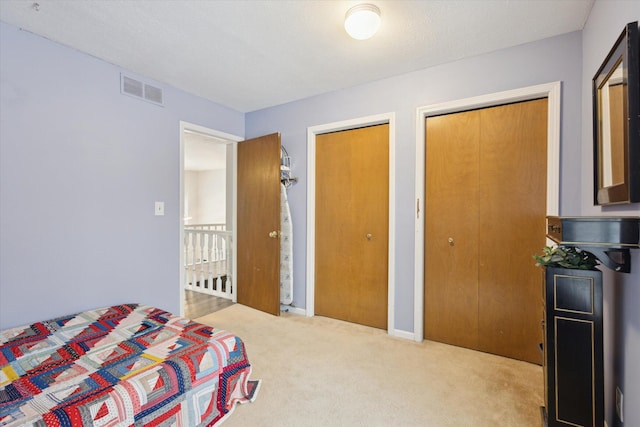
(362, 21)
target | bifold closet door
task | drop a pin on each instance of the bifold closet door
(352, 223)
(451, 229)
(513, 208)
(485, 212)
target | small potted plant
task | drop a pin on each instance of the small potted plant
(566, 257)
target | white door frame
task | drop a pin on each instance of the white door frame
(552, 92)
(312, 132)
(230, 140)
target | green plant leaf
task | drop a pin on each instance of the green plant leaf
(567, 257)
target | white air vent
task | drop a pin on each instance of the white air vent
(132, 87)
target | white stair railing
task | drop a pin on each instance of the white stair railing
(215, 227)
(207, 255)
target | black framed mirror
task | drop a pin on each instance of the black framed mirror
(616, 122)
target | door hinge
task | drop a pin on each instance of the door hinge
(418, 208)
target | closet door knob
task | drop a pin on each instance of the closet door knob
(369, 236)
(273, 234)
(450, 240)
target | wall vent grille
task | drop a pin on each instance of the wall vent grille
(138, 89)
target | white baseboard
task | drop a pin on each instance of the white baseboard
(394, 333)
(402, 334)
(293, 310)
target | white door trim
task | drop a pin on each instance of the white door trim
(311, 205)
(230, 139)
(552, 92)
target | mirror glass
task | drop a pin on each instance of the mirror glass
(611, 97)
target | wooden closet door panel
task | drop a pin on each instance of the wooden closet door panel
(352, 201)
(513, 163)
(451, 206)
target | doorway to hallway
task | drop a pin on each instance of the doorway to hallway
(207, 215)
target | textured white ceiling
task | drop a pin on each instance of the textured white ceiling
(253, 54)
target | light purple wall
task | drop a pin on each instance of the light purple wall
(80, 168)
(621, 291)
(546, 61)
(81, 165)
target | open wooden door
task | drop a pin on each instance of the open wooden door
(258, 283)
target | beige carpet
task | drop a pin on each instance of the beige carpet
(324, 372)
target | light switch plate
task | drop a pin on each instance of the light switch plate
(159, 209)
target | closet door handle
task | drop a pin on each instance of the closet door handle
(273, 234)
(369, 236)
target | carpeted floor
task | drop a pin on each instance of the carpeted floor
(325, 372)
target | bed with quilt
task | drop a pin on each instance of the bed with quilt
(124, 365)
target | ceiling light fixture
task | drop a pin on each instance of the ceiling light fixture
(362, 21)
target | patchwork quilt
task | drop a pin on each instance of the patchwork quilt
(126, 365)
